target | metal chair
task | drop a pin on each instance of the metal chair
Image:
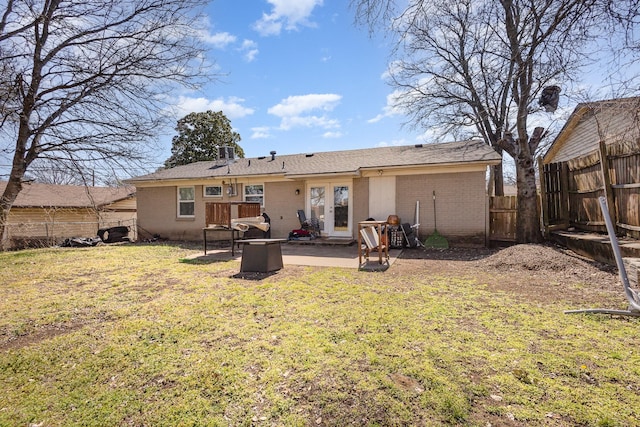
(312, 225)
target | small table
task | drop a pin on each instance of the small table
(234, 233)
(261, 255)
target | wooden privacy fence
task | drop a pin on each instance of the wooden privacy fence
(570, 190)
(502, 219)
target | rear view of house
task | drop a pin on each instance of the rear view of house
(338, 189)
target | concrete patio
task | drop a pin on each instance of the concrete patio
(312, 255)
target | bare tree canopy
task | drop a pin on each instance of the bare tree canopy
(83, 83)
(482, 66)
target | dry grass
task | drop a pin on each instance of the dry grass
(130, 335)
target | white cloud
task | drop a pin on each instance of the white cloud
(249, 49)
(218, 40)
(391, 109)
(295, 111)
(287, 14)
(308, 122)
(296, 105)
(260, 132)
(393, 143)
(231, 107)
(331, 135)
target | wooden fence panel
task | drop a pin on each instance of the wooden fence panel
(555, 196)
(624, 169)
(246, 210)
(502, 218)
(218, 213)
(586, 181)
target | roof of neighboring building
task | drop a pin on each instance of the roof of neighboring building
(581, 112)
(334, 162)
(68, 196)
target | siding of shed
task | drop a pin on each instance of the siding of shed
(122, 212)
(610, 124)
(54, 224)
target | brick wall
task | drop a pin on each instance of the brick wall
(461, 210)
(282, 204)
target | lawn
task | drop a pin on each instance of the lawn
(139, 335)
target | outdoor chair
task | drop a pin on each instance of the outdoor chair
(312, 225)
(372, 242)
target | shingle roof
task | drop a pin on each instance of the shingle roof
(333, 162)
(68, 196)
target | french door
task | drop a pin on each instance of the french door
(330, 203)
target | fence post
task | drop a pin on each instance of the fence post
(606, 183)
(543, 198)
(565, 205)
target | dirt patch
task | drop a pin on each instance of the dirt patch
(41, 334)
(537, 272)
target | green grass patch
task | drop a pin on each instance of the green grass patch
(139, 335)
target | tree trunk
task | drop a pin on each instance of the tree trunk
(8, 197)
(528, 224)
(498, 178)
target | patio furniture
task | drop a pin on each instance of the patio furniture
(261, 255)
(218, 217)
(312, 225)
(370, 239)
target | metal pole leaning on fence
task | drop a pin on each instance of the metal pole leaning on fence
(632, 295)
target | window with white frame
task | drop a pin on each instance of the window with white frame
(254, 193)
(186, 202)
(212, 191)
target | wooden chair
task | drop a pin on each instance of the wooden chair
(373, 242)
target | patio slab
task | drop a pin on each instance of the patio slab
(311, 255)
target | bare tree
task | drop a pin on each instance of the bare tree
(84, 82)
(482, 66)
(57, 175)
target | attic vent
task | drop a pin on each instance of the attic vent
(226, 154)
(418, 145)
(309, 155)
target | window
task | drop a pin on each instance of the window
(212, 191)
(186, 202)
(254, 193)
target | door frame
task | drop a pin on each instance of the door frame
(329, 230)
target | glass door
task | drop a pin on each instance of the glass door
(330, 203)
(317, 205)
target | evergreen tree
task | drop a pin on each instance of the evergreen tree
(199, 137)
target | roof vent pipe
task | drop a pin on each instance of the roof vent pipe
(273, 155)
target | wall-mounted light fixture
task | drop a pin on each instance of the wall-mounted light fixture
(297, 191)
(379, 171)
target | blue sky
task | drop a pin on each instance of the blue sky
(297, 76)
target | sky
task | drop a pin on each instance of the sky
(296, 76)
